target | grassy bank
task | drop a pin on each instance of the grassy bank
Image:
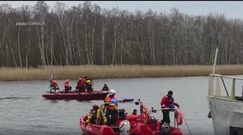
(124, 71)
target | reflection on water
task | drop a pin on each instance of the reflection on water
(14, 98)
(24, 111)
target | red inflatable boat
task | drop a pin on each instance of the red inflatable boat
(95, 95)
(145, 124)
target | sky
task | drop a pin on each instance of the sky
(231, 9)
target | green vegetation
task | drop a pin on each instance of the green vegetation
(124, 71)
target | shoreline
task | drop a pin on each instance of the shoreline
(116, 71)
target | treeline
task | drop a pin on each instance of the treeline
(88, 35)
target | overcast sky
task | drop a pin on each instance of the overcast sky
(231, 9)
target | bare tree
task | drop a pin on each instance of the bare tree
(41, 10)
(86, 34)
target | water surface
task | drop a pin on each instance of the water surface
(24, 112)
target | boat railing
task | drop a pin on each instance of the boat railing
(215, 83)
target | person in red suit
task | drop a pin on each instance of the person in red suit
(132, 116)
(80, 85)
(167, 103)
(67, 86)
(54, 85)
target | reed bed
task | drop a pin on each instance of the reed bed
(121, 71)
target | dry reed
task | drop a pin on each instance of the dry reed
(123, 71)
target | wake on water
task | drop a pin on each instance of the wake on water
(14, 98)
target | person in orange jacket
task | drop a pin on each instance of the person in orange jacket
(54, 85)
(167, 103)
(111, 104)
(67, 86)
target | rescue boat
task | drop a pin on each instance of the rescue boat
(95, 95)
(145, 124)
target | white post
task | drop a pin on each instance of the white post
(215, 59)
(217, 88)
(233, 89)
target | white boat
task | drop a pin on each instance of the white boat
(226, 109)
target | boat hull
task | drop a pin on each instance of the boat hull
(227, 115)
(95, 95)
(93, 129)
(137, 128)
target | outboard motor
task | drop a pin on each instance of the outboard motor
(165, 129)
(124, 127)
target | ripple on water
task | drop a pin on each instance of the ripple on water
(23, 111)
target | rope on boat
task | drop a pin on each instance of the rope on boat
(187, 125)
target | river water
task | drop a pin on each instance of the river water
(24, 112)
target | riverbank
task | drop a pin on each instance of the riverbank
(124, 71)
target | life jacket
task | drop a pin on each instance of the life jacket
(53, 83)
(100, 117)
(144, 113)
(92, 117)
(131, 117)
(179, 117)
(166, 101)
(97, 118)
(140, 118)
(80, 82)
(66, 84)
(88, 82)
(110, 103)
